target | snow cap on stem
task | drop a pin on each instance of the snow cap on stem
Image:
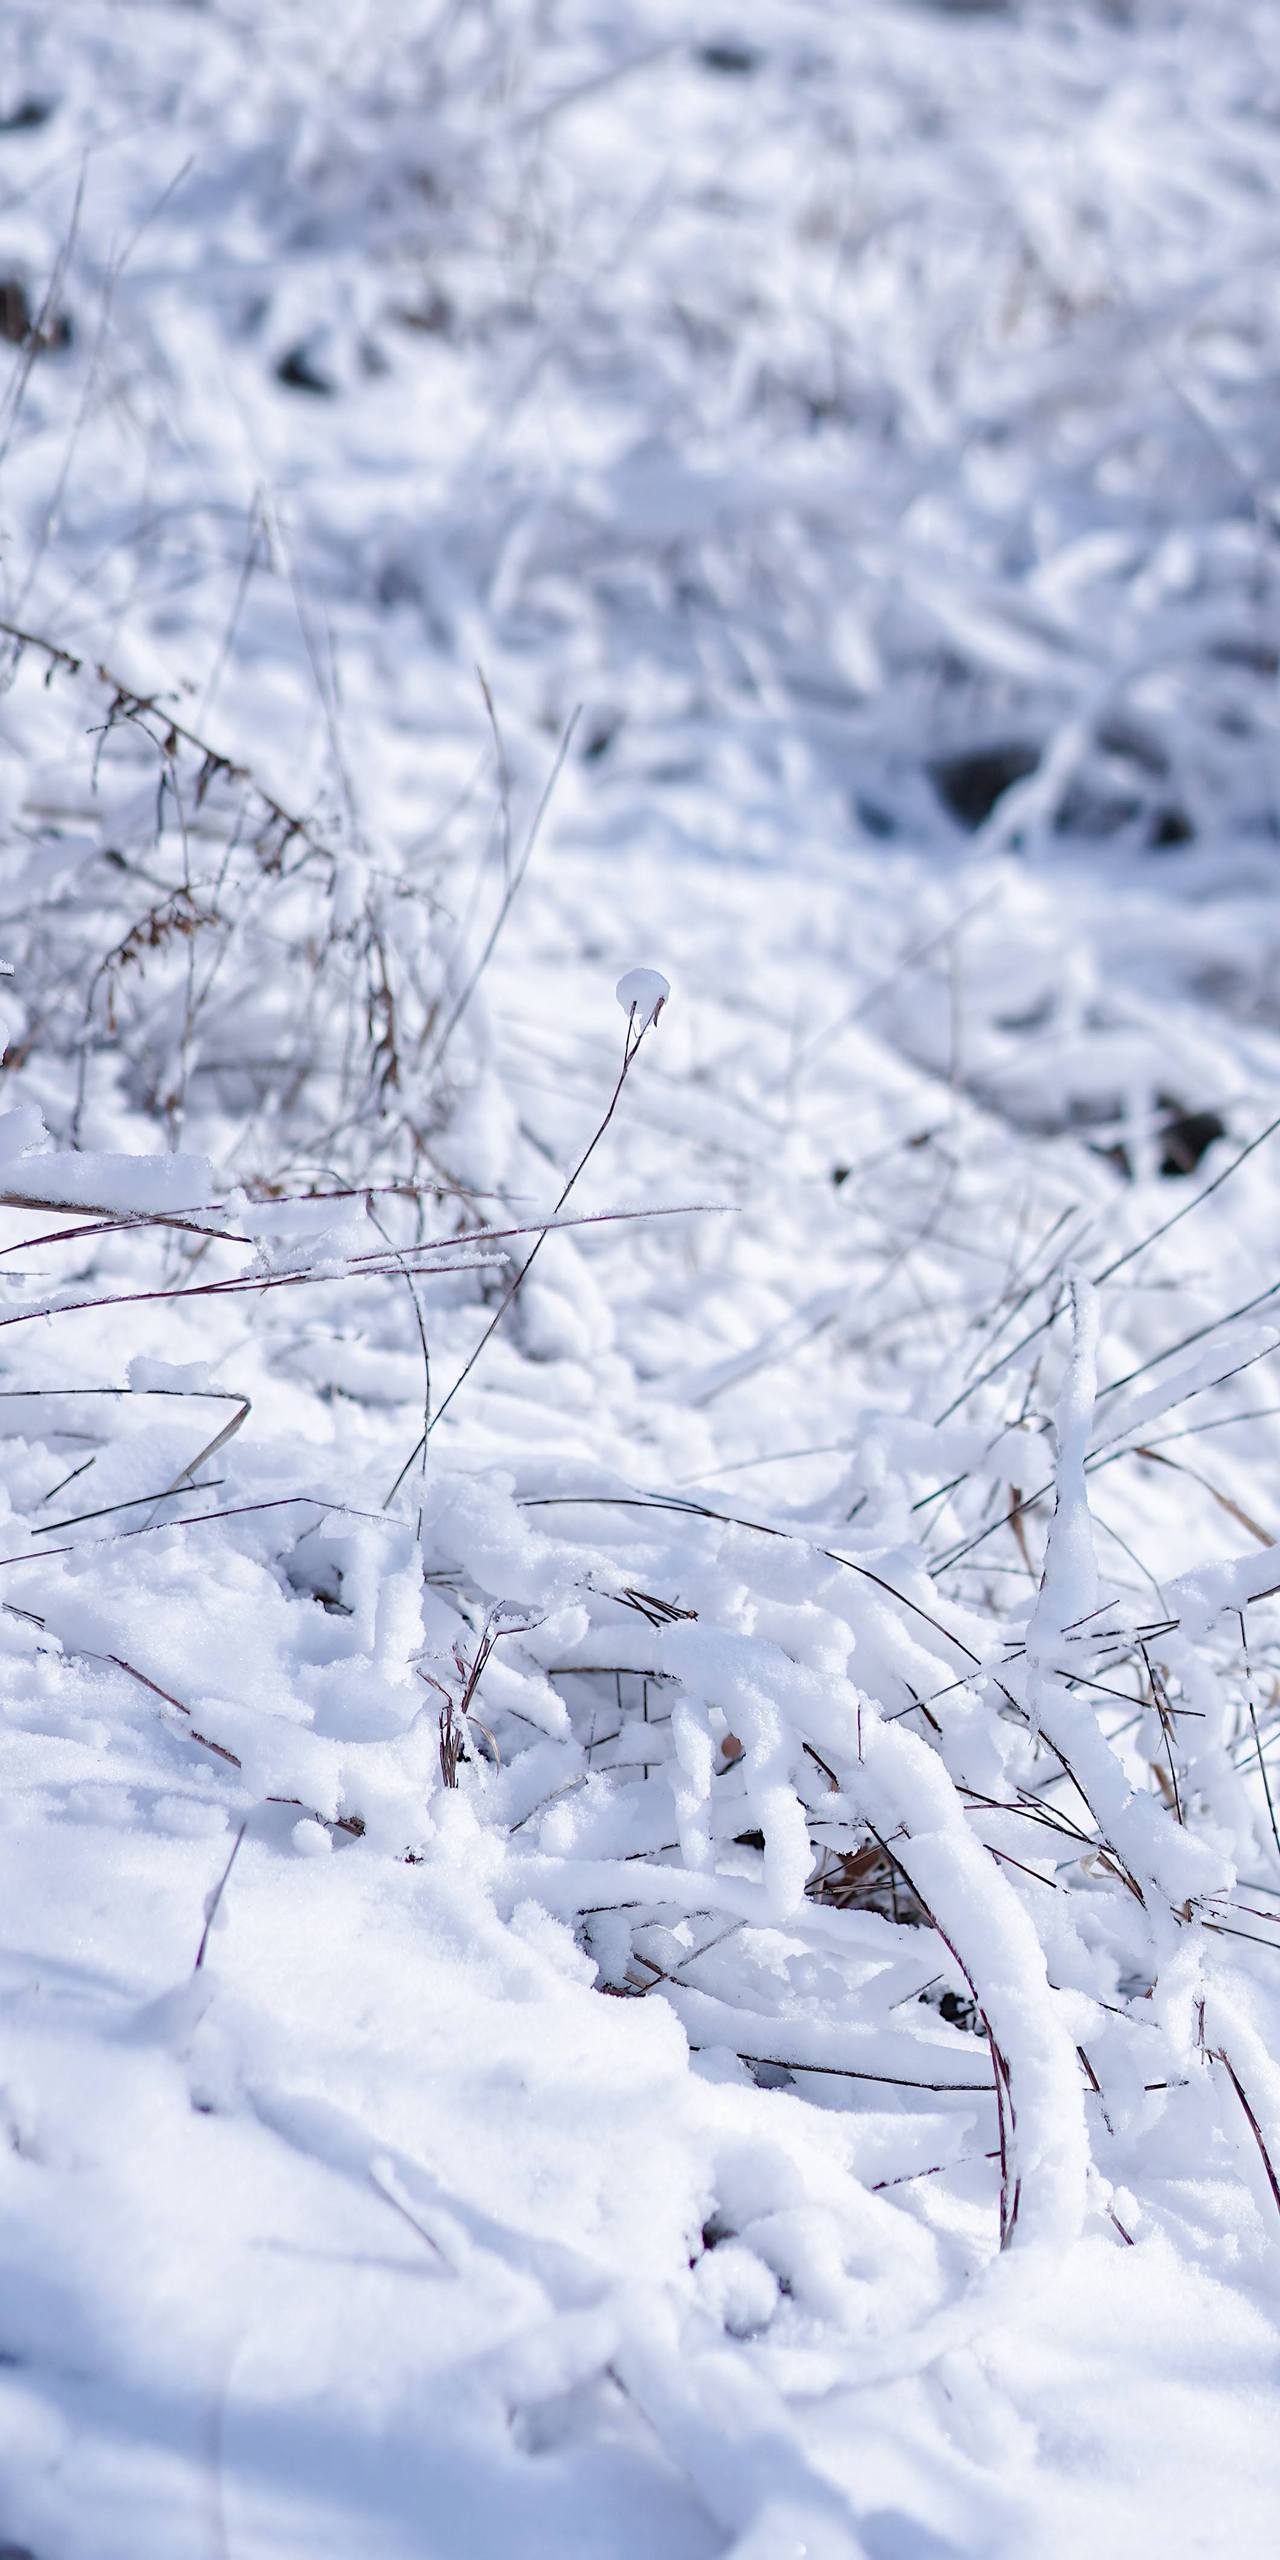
(642, 994)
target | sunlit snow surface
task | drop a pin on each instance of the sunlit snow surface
(496, 497)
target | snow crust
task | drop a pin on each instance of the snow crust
(664, 1943)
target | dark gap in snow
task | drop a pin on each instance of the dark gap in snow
(27, 116)
(734, 60)
(297, 370)
(969, 786)
(21, 322)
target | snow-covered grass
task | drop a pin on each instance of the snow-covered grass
(638, 1529)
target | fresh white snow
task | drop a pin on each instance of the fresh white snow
(664, 1943)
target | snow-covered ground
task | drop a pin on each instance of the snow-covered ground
(640, 1856)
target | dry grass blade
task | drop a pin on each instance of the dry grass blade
(286, 827)
(214, 1903)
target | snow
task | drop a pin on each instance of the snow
(642, 994)
(664, 1941)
